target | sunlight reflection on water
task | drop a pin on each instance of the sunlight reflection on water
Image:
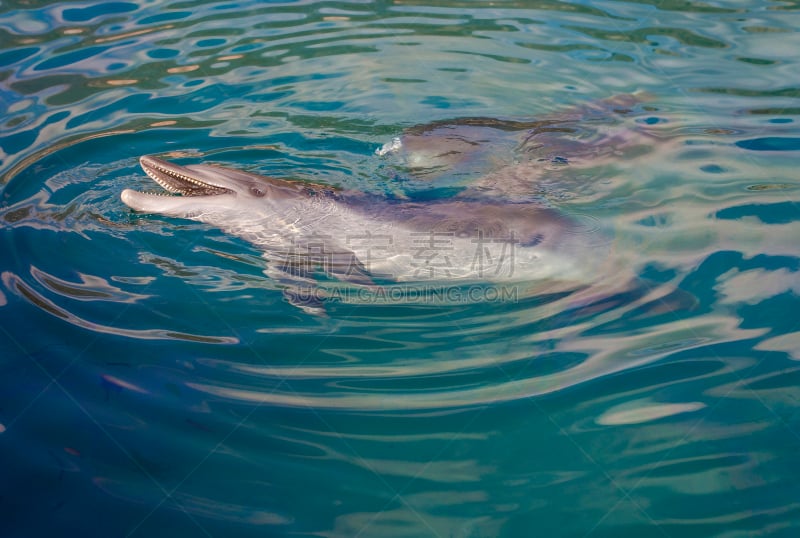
(154, 377)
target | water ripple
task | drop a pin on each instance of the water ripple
(655, 396)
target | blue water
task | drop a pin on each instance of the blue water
(154, 381)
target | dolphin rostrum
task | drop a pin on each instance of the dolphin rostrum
(310, 231)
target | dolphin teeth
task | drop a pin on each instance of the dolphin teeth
(157, 174)
(178, 180)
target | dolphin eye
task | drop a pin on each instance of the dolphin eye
(257, 192)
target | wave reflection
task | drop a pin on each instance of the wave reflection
(656, 395)
(15, 285)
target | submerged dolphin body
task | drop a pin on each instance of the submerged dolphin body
(306, 229)
(514, 160)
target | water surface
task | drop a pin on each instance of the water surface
(155, 382)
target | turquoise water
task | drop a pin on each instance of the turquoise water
(154, 381)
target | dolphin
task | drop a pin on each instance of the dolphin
(522, 159)
(310, 232)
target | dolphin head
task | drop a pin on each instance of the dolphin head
(202, 187)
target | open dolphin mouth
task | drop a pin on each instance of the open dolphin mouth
(192, 184)
(178, 179)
